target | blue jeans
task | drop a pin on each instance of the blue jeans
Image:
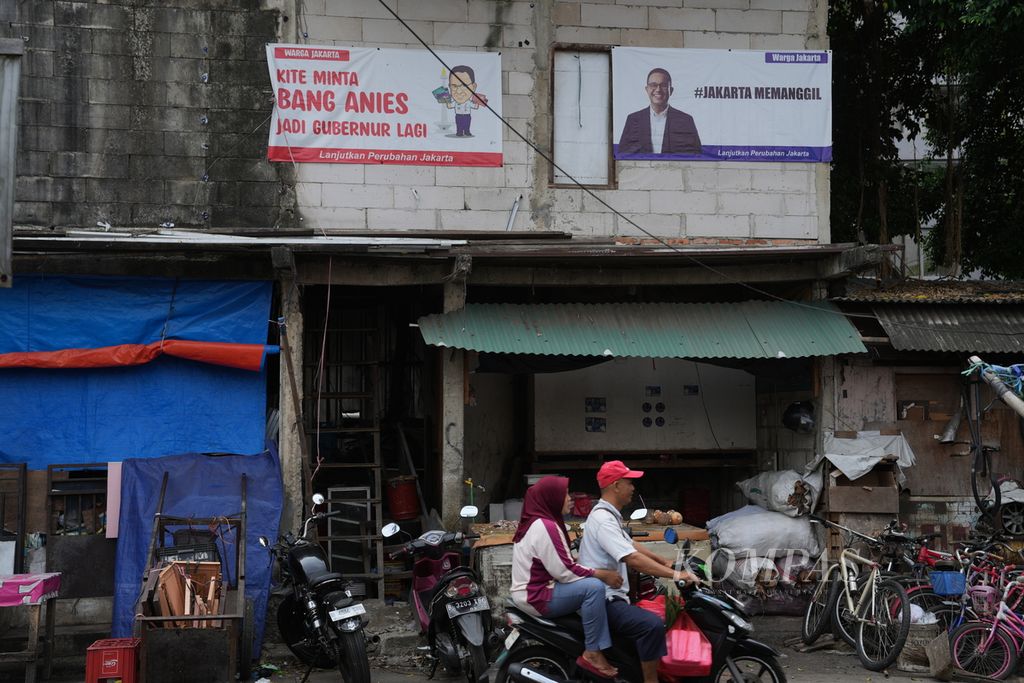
(585, 596)
(644, 628)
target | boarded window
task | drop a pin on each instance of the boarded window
(582, 104)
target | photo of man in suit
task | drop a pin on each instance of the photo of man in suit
(659, 128)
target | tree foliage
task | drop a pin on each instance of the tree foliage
(955, 66)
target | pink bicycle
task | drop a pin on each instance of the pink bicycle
(991, 647)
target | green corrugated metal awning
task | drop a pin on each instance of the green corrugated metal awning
(749, 329)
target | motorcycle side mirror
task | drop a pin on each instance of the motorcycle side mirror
(264, 542)
(638, 514)
(671, 536)
(469, 512)
(318, 499)
(390, 530)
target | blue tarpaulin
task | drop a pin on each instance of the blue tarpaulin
(50, 313)
(164, 407)
(198, 486)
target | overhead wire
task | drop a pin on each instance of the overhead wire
(725, 276)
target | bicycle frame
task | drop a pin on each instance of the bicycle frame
(1008, 621)
(846, 559)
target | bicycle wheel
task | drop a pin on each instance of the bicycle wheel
(951, 614)
(843, 621)
(819, 609)
(985, 487)
(976, 649)
(884, 625)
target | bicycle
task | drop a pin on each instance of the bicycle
(991, 647)
(877, 606)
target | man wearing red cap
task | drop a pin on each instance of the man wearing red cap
(607, 545)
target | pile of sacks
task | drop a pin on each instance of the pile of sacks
(771, 541)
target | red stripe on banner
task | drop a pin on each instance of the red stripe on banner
(311, 53)
(340, 155)
(241, 356)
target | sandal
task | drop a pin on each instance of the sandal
(607, 674)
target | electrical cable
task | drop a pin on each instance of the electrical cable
(631, 222)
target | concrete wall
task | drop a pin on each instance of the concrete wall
(490, 438)
(779, 448)
(126, 106)
(686, 201)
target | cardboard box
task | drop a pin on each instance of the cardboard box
(875, 492)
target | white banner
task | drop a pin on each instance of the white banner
(722, 105)
(384, 106)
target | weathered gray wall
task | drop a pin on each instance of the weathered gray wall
(691, 202)
(490, 437)
(127, 104)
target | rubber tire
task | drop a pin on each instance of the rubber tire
(821, 618)
(557, 663)
(1004, 641)
(245, 641)
(353, 664)
(842, 629)
(880, 664)
(477, 663)
(772, 664)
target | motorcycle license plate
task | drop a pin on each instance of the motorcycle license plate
(347, 612)
(457, 607)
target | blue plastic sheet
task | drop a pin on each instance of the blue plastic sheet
(55, 312)
(198, 486)
(165, 407)
(162, 408)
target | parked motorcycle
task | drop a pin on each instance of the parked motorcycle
(539, 650)
(319, 620)
(450, 605)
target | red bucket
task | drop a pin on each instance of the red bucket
(403, 503)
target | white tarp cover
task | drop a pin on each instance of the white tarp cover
(856, 457)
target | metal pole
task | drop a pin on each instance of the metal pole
(1004, 392)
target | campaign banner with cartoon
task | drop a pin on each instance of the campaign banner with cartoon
(722, 105)
(364, 105)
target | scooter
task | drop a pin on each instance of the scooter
(319, 620)
(448, 599)
(539, 650)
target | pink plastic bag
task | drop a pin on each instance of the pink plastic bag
(689, 650)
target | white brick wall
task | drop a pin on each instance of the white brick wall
(669, 199)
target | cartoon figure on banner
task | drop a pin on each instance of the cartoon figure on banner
(659, 128)
(460, 95)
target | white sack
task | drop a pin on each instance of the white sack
(754, 531)
(787, 491)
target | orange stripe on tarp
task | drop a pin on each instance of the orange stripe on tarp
(241, 356)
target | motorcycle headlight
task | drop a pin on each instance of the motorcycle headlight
(739, 622)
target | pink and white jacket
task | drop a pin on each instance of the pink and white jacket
(540, 559)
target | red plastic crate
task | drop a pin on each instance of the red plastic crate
(114, 658)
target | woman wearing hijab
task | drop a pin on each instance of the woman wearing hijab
(548, 582)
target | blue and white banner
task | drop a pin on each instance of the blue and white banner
(722, 105)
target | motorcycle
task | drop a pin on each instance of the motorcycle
(448, 600)
(539, 650)
(319, 620)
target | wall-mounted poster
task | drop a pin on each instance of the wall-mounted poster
(721, 105)
(384, 106)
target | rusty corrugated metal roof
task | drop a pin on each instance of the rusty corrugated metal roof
(749, 329)
(953, 327)
(942, 291)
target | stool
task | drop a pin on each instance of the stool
(114, 658)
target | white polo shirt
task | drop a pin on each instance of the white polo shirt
(605, 543)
